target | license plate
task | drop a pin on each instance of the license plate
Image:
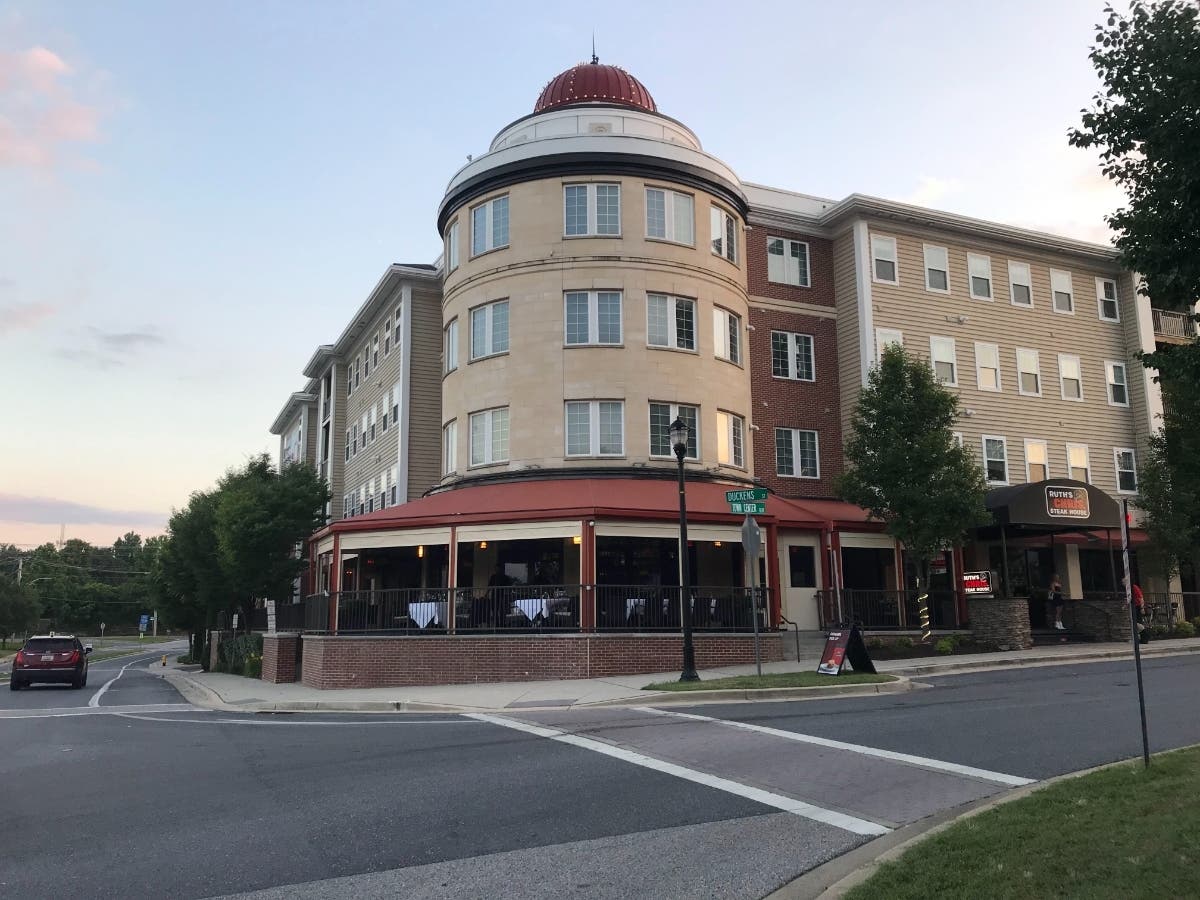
(47, 657)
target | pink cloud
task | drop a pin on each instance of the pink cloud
(40, 112)
(19, 316)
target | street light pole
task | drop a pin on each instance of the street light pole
(679, 443)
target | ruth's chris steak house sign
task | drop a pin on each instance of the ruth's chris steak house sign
(1067, 503)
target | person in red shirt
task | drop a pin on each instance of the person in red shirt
(1139, 605)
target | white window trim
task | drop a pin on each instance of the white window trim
(934, 339)
(669, 216)
(673, 408)
(593, 211)
(489, 226)
(721, 335)
(879, 342)
(999, 388)
(489, 458)
(729, 418)
(450, 346)
(983, 439)
(980, 257)
(672, 335)
(452, 247)
(1046, 447)
(787, 247)
(895, 260)
(594, 319)
(735, 259)
(1071, 292)
(925, 248)
(795, 432)
(1061, 381)
(793, 339)
(490, 312)
(593, 430)
(1117, 451)
(1038, 357)
(1012, 296)
(450, 447)
(1108, 382)
(1087, 453)
(1100, 300)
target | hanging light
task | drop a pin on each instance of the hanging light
(716, 543)
(420, 550)
(483, 545)
(577, 540)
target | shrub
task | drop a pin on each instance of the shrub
(1159, 631)
(185, 660)
(1184, 630)
(946, 646)
(235, 654)
(904, 642)
(253, 668)
(874, 643)
(1196, 623)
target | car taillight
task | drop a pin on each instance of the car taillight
(74, 657)
(20, 660)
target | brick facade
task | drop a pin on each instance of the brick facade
(365, 662)
(280, 658)
(820, 265)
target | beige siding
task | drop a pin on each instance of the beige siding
(920, 314)
(425, 393)
(310, 439)
(337, 437)
(845, 294)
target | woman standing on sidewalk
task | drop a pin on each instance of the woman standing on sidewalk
(1056, 598)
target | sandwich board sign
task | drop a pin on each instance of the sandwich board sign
(842, 646)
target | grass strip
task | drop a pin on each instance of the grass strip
(1119, 833)
(776, 680)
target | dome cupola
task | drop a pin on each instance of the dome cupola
(595, 82)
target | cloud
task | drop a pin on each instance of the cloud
(126, 341)
(931, 191)
(41, 112)
(19, 316)
(52, 511)
(105, 350)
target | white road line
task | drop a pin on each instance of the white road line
(269, 723)
(63, 712)
(778, 801)
(95, 701)
(922, 761)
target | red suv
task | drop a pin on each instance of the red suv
(52, 658)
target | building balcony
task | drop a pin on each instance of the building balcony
(1171, 327)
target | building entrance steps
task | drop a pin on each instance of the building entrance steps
(232, 692)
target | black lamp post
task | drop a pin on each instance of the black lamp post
(679, 443)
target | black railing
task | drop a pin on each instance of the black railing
(887, 609)
(290, 616)
(517, 608)
(658, 608)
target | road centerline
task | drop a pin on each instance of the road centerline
(94, 702)
(791, 805)
(923, 762)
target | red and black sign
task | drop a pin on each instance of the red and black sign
(842, 646)
(1067, 503)
(977, 582)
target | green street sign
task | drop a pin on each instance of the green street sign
(753, 495)
(749, 509)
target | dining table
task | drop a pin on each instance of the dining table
(425, 611)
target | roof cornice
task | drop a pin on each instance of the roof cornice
(290, 409)
(319, 361)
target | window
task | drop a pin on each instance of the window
(883, 259)
(489, 329)
(1126, 470)
(1118, 387)
(802, 566)
(375, 351)
(885, 336)
(449, 446)
(958, 438)
(1070, 377)
(670, 322)
(1078, 465)
(1106, 299)
(727, 335)
(792, 356)
(731, 443)
(387, 342)
(373, 423)
(489, 226)
(1060, 288)
(592, 317)
(489, 436)
(396, 404)
(398, 319)
(787, 262)
(724, 234)
(452, 246)
(1029, 373)
(362, 500)
(937, 269)
(987, 366)
(591, 209)
(944, 360)
(1020, 283)
(346, 506)
(595, 428)
(1036, 466)
(385, 404)
(995, 459)
(450, 347)
(979, 270)
(670, 216)
(357, 370)
(349, 444)
(354, 442)
(367, 360)
(661, 417)
(364, 431)
(796, 453)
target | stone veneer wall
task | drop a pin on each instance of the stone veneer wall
(1101, 620)
(280, 658)
(1001, 621)
(351, 661)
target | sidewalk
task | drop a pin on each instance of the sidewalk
(234, 693)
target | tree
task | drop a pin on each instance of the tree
(19, 609)
(903, 464)
(188, 576)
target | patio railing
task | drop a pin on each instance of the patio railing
(1169, 323)
(527, 609)
(887, 610)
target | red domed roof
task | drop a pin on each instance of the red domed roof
(595, 82)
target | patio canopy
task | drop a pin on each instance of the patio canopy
(1052, 506)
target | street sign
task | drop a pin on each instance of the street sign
(143, 622)
(751, 538)
(752, 494)
(749, 509)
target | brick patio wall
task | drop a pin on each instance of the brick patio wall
(280, 657)
(351, 661)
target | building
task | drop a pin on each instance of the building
(507, 466)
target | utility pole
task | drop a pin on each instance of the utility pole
(155, 632)
(20, 566)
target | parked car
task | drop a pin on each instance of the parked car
(53, 659)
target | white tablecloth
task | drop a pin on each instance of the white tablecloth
(533, 606)
(425, 611)
(635, 606)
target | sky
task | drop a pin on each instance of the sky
(194, 196)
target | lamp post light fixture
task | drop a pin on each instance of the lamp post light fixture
(679, 443)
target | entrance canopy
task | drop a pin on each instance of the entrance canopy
(1052, 506)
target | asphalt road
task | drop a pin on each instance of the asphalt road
(139, 796)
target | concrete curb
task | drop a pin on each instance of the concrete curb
(758, 695)
(1018, 663)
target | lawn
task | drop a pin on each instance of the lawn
(1118, 833)
(778, 680)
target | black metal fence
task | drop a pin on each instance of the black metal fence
(887, 610)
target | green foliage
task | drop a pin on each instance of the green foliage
(19, 608)
(1184, 630)
(1196, 623)
(240, 655)
(874, 643)
(948, 644)
(1159, 631)
(1145, 124)
(903, 463)
(904, 642)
